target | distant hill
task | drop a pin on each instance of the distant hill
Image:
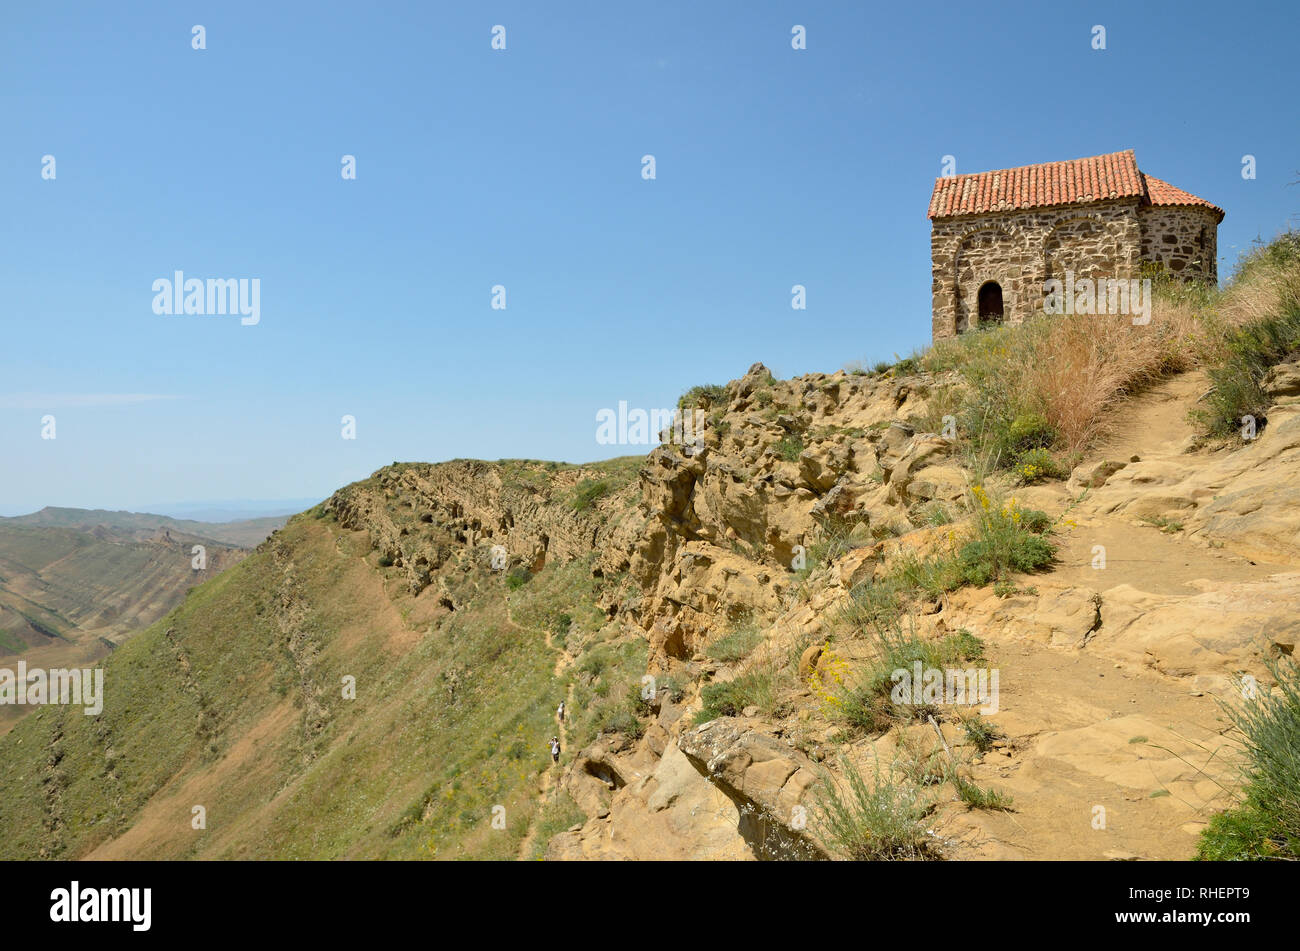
(74, 583)
(243, 533)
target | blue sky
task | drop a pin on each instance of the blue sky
(522, 168)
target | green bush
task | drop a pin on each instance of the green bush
(978, 798)
(557, 815)
(1266, 823)
(1029, 431)
(730, 698)
(980, 733)
(789, 448)
(1249, 353)
(702, 397)
(1036, 465)
(587, 492)
(863, 700)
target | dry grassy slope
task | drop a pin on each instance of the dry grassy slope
(234, 702)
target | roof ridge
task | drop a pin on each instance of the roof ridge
(1025, 168)
(1092, 178)
(1165, 194)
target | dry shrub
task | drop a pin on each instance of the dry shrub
(1084, 364)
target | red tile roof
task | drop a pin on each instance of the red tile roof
(1162, 193)
(1096, 178)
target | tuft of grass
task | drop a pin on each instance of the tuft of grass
(936, 513)
(980, 733)
(1003, 539)
(1253, 325)
(1166, 525)
(557, 815)
(980, 798)
(863, 699)
(729, 699)
(1246, 354)
(1036, 465)
(703, 397)
(833, 543)
(1266, 823)
(736, 644)
(789, 448)
(872, 821)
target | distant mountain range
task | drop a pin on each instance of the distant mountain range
(230, 510)
(240, 533)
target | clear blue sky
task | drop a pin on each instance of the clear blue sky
(523, 168)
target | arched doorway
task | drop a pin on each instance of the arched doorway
(990, 303)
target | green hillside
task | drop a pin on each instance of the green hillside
(235, 702)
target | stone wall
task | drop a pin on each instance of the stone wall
(1021, 250)
(1182, 240)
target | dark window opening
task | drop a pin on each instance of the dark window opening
(990, 303)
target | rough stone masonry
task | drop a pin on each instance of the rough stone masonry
(998, 237)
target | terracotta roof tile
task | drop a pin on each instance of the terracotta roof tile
(1162, 193)
(1096, 178)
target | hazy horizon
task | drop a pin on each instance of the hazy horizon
(234, 510)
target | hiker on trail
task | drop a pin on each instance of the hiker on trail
(555, 749)
(559, 712)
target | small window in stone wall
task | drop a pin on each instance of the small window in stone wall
(990, 303)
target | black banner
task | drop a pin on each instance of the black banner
(918, 902)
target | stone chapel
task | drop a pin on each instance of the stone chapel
(998, 237)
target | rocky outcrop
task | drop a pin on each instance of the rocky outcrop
(782, 462)
(767, 780)
(418, 516)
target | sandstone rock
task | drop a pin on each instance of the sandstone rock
(1093, 475)
(937, 483)
(763, 776)
(1282, 382)
(808, 660)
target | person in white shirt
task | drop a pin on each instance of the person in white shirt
(555, 749)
